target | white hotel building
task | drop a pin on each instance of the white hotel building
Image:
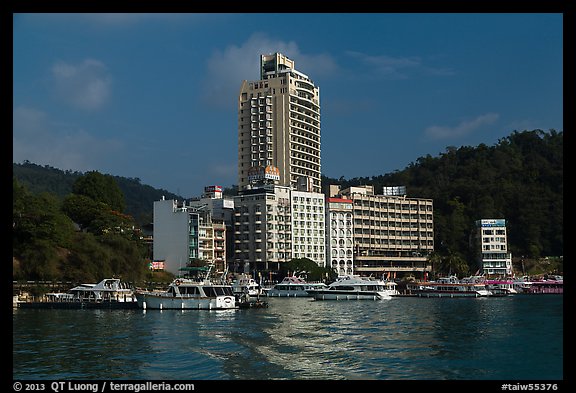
(494, 260)
(340, 235)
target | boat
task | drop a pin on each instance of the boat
(522, 284)
(501, 287)
(188, 294)
(252, 303)
(449, 287)
(108, 293)
(542, 287)
(245, 285)
(356, 288)
(293, 286)
(497, 286)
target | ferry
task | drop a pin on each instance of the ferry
(293, 286)
(448, 287)
(246, 285)
(189, 294)
(108, 293)
(356, 288)
(543, 287)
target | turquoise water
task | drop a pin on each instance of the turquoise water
(508, 338)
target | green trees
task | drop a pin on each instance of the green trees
(519, 179)
(309, 269)
(100, 188)
(47, 245)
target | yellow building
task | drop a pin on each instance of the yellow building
(279, 124)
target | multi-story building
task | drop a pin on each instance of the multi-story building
(494, 260)
(262, 229)
(221, 209)
(275, 224)
(308, 226)
(184, 233)
(392, 234)
(339, 235)
(279, 124)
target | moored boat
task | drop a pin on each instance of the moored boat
(293, 286)
(246, 285)
(501, 287)
(108, 293)
(356, 288)
(546, 287)
(188, 294)
(449, 287)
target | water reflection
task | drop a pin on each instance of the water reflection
(298, 338)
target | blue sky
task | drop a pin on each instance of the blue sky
(153, 96)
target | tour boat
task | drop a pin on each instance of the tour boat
(501, 287)
(245, 285)
(448, 287)
(356, 288)
(108, 293)
(293, 286)
(188, 294)
(554, 286)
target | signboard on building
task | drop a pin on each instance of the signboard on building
(493, 223)
(394, 191)
(269, 172)
(213, 189)
(157, 265)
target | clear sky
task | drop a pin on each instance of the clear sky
(154, 96)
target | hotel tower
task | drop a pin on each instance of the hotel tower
(279, 125)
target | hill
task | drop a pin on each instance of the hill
(519, 179)
(139, 197)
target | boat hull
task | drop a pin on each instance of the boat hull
(454, 294)
(160, 302)
(80, 305)
(348, 295)
(273, 293)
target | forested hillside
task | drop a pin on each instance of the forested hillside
(139, 197)
(519, 179)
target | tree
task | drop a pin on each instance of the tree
(100, 188)
(308, 269)
(453, 264)
(37, 217)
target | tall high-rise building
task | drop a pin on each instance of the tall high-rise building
(279, 124)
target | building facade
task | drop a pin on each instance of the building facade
(392, 234)
(262, 229)
(279, 124)
(221, 209)
(494, 260)
(308, 226)
(339, 235)
(184, 233)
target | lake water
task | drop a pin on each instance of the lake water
(514, 338)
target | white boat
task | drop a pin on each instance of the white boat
(108, 293)
(522, 284)
(497, 286)
(188, 294)
(501, 287)
(448, 287)
(293, 286)
(245, 285)
(356, 288)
